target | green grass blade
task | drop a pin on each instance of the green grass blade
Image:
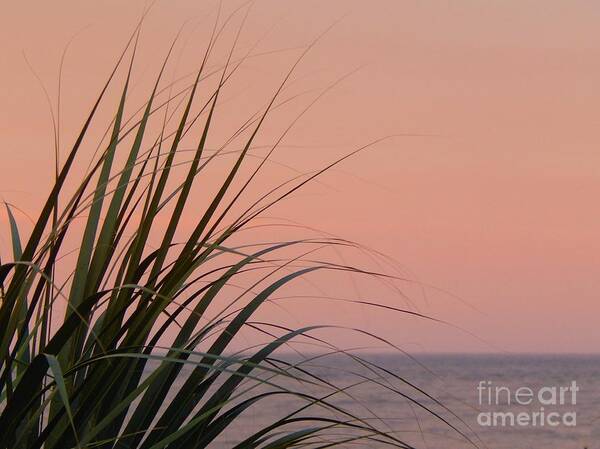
(56, 370)
(14, 233)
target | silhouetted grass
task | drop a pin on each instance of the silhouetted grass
(99, 376)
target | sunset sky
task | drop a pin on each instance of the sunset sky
(494, 203)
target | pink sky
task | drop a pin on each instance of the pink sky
(498, 207)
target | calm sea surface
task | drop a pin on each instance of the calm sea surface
(453, 380)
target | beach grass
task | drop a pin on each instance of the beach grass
(121, 351)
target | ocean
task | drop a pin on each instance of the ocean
(489, 401)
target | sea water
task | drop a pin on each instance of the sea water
(462, 393)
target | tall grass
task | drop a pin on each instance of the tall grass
(135, 360)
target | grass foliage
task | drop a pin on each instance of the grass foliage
(99, 375)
